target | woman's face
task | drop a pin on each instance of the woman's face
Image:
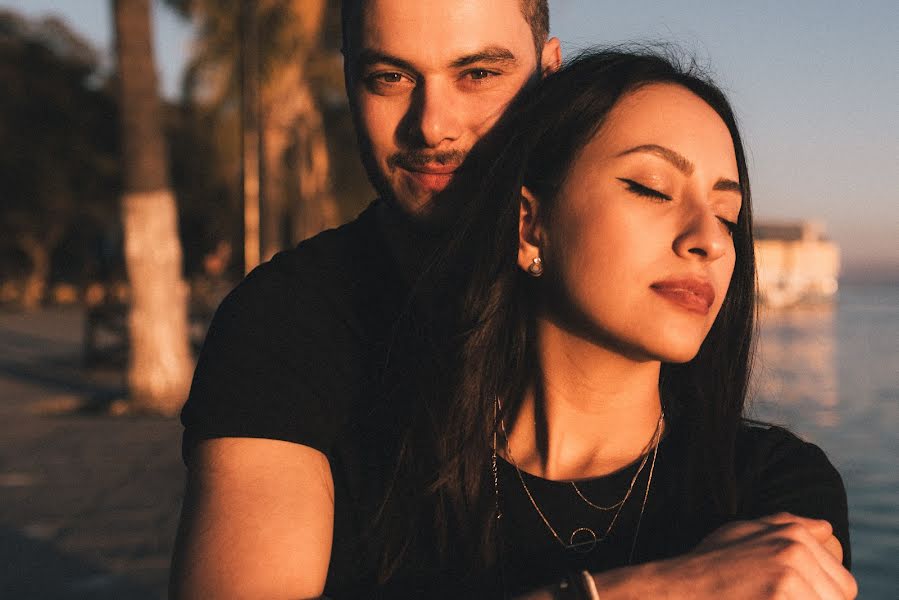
(640, 237)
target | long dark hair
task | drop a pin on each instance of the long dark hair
(473, 332)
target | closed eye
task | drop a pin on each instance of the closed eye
(731, 226)
(642, 190)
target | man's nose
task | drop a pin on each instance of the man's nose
(434, 116)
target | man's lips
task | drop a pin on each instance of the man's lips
(433, 177)
(692, 294)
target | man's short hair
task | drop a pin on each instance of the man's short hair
(535, 12)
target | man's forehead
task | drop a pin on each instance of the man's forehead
(439, 30)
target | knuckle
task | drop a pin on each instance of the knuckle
(782, 516)
(794, 531)
(787, 551)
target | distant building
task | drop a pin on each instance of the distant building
(796, 263)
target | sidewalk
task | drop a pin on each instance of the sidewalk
(89, 503)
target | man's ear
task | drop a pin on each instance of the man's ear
(530, 229)
(551, 57)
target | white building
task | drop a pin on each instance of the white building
(796, 263)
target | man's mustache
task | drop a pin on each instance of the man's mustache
(412, 159)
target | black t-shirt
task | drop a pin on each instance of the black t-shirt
(775, 471)
(295, 353)
(292, 350)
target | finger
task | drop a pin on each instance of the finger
(733, 532)
(821, 529)
(833, 545)
(834, 569)
(824, 572)
(736, 532)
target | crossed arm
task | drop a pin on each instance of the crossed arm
(258, 520)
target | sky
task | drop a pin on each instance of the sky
(815, 85)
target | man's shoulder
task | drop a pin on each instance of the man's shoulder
(326, 267)
(290, 349)
(344, 250)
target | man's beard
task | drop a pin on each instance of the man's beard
(406, 159)
(415, 159)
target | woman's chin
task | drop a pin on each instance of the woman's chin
(673, 348)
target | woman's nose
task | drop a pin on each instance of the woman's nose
(703, 236)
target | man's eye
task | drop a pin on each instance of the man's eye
(479, 74)
(388, 77)
(388, 83)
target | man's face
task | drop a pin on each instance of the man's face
(428, 78)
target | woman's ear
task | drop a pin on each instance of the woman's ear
(530, 231)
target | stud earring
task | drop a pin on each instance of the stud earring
(535, 269)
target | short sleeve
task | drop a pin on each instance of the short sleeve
(783, 473)
(277, 363)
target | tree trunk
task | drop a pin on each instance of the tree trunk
(317, 208)
(160, 362)
(297, 164)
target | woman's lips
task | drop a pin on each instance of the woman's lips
(694, 295)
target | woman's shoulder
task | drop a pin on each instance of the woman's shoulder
(758, 436)
(777, 471)
(765, 450)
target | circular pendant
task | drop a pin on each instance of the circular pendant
(582, 540)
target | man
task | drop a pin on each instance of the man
(298, 343)
(296, 348)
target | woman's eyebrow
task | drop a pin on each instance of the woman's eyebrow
(683, 165)
(678, 160)
(727, 185)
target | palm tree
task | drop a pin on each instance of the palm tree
(294, 72)
(160, 363)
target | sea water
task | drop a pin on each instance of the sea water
(831, 374)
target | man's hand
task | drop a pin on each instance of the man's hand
(779, 556)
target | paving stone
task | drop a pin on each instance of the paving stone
(89, 504)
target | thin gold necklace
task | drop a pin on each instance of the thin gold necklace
(588, 538)
(630, 486)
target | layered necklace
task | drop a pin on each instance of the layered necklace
(584, 539)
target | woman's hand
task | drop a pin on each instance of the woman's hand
(779, 556)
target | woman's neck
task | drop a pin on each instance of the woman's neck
(590, 412)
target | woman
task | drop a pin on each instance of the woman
(581, 411)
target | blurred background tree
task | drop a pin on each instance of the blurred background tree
(61, 176)
(58, 159)
(302, 114)
(160, 363)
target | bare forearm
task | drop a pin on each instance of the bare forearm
(781, 556)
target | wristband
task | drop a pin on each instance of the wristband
(589, 585)
(576, 586)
